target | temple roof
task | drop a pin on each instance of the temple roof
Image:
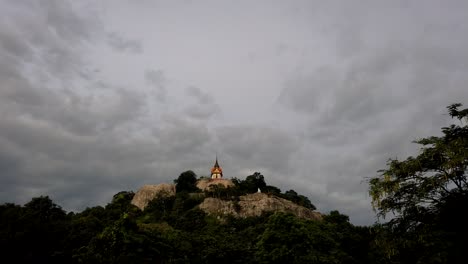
(216, 168)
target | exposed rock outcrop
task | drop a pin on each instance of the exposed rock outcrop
(254, 205)
(204, 184)
(246, 206)
(148, 192)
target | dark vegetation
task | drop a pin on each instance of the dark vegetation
(174, 230)
(426, 196)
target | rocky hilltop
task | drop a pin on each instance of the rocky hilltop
(149, 192)
(254, 205)
(245, 206)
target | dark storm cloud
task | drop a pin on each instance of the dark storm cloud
(121, 44)
(77, 139)
(50, 27)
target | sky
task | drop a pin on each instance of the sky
(98, 97)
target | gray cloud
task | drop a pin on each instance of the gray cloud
(119, 43)
(315, 95)
(158, 81)
(257, 148)
(202, 98)
(204, 106)
(393, 81)
(57, 136)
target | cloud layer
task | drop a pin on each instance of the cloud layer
(95, 99)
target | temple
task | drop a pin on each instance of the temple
(216, 171)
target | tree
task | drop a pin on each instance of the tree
(121, 242)
(425, 193)
(272, 190)
(187, 182)
(288, 239)
(39, 232)
(352, 240)
(298, 199)
(44, 209)
(252, 183)
(120, 204)
(159, 208)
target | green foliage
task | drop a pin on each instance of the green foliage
(120, 203)
(187, 182)
(121, 242)
(43, 209)
(424, 195)
(251, 184)
(221, 192)
(173, 230)
(159, 208)
(353, 242)
(35, 232)
(256, 181)
(170, 230)
(336, 217)
(298, 199)
(272, 190)
(288, 239)
(184, 202)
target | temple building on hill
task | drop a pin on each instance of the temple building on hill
(216, 171)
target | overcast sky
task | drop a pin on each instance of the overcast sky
(97, 97)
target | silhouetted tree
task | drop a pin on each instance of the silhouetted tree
(424, 194)
(186, 182)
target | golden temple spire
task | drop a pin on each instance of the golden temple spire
(216, 171)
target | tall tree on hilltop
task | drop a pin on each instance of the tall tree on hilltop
(187, 182)
(254, 182)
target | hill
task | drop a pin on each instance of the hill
(234, 223)
(248, 205)
(254, 205)
(226, 223)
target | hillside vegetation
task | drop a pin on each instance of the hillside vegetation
(425, 196)
(173, 229)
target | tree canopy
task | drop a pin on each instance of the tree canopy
(173, 230)
(425, 195)
(186, 182)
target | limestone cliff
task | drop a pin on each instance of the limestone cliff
(148, 192)
(254, 205)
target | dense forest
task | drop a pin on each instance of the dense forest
(424, 198)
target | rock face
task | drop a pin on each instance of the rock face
(148, 192)
(248, 205)
(254, 205)
(204, 184)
